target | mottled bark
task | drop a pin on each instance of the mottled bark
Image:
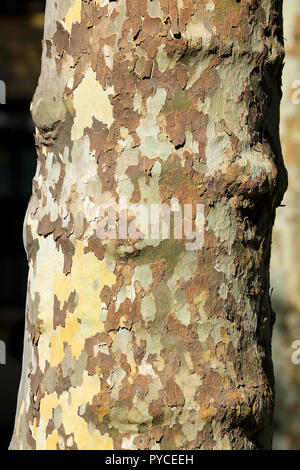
(285, 261)
(148, 345)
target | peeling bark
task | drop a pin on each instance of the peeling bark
(144, 345)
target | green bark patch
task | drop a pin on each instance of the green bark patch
(179, 102)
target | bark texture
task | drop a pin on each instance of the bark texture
(146, 345)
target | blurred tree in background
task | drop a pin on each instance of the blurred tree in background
(285, 262)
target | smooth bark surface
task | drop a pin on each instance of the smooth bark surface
(148, 345)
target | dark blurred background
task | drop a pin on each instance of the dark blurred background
(21, 30)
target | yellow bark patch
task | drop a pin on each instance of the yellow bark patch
(70, 403)
(90, 100)
(87, 278)
(33, 431)
(132, 367)
(73, 15)
(52, 441)
(62, 335)
(48, 404)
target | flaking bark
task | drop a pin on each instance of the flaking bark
(152, 346)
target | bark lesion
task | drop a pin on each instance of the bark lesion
(47, 135)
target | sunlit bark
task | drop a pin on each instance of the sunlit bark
(148, 345)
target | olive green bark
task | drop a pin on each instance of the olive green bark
(148, 345)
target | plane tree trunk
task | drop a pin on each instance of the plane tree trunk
(147, 344)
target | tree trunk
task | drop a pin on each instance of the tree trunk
(149, 344)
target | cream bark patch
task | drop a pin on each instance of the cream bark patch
(90, 100)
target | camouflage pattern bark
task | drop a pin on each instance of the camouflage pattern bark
(147, 345)
(285, 261)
